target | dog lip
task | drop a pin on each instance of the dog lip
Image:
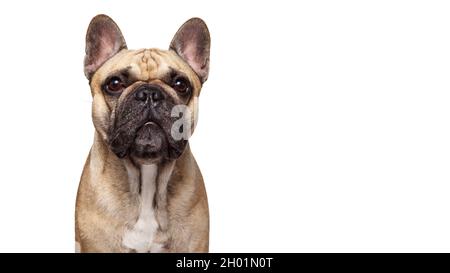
(151, 122)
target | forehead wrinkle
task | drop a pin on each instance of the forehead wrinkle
(150, 64)
(153, 54)
(144, 64)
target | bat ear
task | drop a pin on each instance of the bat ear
(103, 40)
(192, 43)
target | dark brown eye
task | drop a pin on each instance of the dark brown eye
(114, 85)
(181, 85)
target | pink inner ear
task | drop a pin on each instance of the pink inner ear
(190, 53)
(192, 57)
(108, 46)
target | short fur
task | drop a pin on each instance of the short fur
(109, 201)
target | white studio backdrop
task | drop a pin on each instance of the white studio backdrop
(324, 125)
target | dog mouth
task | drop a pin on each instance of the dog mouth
(150, 141)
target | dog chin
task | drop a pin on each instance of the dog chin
(150, 144)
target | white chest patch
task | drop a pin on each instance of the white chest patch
(140, 236)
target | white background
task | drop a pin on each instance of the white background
(324, 125)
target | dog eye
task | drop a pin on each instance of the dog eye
(115, 84)
(181, 85)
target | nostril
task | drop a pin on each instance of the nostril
(157, 95)
(141, 95)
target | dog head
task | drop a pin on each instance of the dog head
(145, 101)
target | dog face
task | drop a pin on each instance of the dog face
(145, 101)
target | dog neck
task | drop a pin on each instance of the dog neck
(149, 184)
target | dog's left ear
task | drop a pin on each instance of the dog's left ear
(192, 43)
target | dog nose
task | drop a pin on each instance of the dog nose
(149, 92)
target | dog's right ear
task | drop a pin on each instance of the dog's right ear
(103, 40)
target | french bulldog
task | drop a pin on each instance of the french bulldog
(141, 189)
